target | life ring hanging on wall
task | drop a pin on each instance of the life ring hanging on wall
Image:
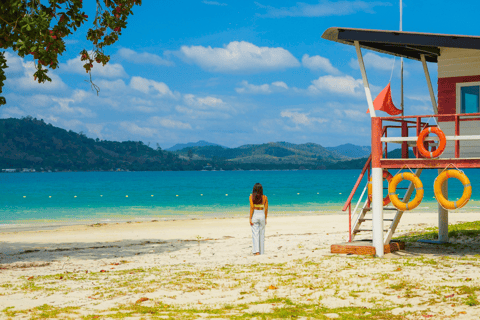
(441, 145)
(386, 175)
(467, 189)
(392, 188)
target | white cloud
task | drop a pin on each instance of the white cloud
(14, 63)
(319, 63)
(115, 85)
(143, 58)
(341, 85)
(136, 130)
(110, 70)
(301, 118)
(12, 112)
(205, 103)
(27, 82)
(323, 9)
(214, 3)
(239, 57)
(194, 113)
(170, 123)
(151, 86)
(276, 86)
(63, 107)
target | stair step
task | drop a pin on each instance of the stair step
(372, 219)
(385, 208)
(361, 230)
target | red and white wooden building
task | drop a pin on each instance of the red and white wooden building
(457, 114)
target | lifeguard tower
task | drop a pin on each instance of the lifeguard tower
(456, 121)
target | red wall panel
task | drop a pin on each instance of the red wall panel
(447, 102)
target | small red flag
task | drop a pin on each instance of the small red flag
(383, 102)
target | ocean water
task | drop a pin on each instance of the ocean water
(75, 197)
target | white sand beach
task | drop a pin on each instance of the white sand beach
(175, 267)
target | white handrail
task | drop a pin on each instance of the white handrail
(448, 138)
(358, 203)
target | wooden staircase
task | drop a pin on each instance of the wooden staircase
(362, 221)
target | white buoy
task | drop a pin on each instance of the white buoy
(152, 195)
(176, 195)
(340, 193)
(298, 193)
(49, 196)
(226, 194)
(74, 196)
(201, 194)
(101, 195)
(126, 196)
(24, 196)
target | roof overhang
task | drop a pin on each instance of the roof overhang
(400, 43)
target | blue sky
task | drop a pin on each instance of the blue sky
(234, 73)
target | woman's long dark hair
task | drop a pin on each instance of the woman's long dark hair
(257, 193)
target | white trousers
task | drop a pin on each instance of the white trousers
(258, 231)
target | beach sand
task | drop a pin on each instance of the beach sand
(205, 269)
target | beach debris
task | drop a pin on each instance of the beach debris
(30, 278)
(115, 263)
(103, 270)
(450, 296)
(272, 287)
(141, 300)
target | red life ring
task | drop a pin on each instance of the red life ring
(441, 145)
(386, 175)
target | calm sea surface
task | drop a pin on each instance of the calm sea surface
(74, 197)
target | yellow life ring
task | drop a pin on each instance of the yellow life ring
(392, 187)
(467, 189)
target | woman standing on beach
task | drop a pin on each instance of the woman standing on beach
(258, 218)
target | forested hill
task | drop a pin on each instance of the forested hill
(31, 143)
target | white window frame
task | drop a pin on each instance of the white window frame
(459, 93)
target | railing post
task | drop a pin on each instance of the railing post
(350, 222)
(419, 121)
(404, 144)
(457, 133)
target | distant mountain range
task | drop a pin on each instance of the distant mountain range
(201, 143)
(31, 143)
(351, 150)
(274, 152)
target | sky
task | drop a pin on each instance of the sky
(234, 73)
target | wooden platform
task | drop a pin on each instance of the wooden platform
(365, 247)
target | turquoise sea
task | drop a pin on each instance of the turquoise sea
(77, 197)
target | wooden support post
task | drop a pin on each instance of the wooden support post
(443, 215)
(377, 188)
(377, 172)
(429, 83)
(365, 80)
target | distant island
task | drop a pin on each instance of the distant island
(29, 144)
